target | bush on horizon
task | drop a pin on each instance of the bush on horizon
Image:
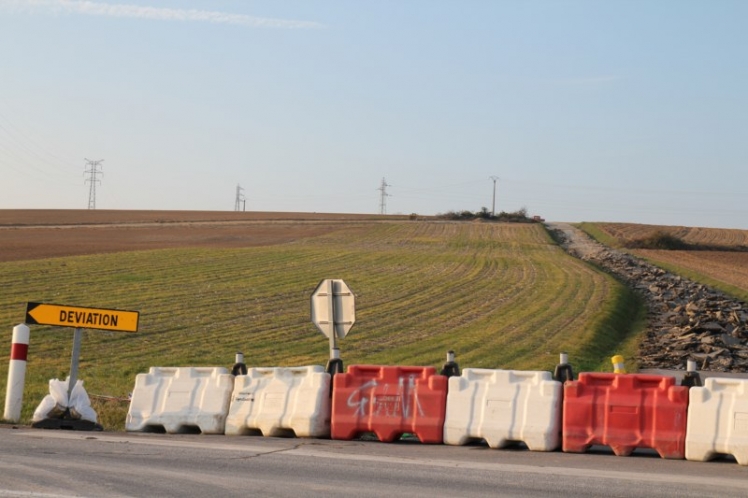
(519, 216)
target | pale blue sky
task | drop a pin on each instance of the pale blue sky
(630, 111)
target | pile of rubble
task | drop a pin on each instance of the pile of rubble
(686, 320)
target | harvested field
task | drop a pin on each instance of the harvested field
(708, 237)
(501, 295)
(66, 240)
(726, 270)
(37, 234)
(42, 217)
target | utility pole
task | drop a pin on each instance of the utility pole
(92, 170)
(240, 203)
(383, 196)
(493, 202)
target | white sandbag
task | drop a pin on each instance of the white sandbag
(80, 404)
(45, 408)
(56, 402)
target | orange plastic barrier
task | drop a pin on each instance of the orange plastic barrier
(389, 401)
(625, 412)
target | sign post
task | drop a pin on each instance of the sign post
(73, 378)
(333, 311)
(80, 318)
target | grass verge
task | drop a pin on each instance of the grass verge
(598, 234)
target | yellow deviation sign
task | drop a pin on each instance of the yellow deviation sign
(79, 317)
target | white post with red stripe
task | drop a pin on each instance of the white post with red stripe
(16, 373)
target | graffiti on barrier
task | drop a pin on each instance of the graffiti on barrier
(399, 403)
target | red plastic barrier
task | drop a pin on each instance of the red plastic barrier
(625, 412)
(389, 401)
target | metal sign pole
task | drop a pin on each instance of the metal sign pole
(77, 337)
(332, 333)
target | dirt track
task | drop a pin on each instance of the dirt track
(576, 241)
(38, 234)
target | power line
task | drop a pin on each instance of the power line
(383, 197)
(92, 171)
(31, 146)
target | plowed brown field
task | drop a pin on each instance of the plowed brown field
(727, 270)
(724, 266)
(38, 234)
(724, 237)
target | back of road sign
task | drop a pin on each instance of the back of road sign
(333, 307)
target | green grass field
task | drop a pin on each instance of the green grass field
(499, 295)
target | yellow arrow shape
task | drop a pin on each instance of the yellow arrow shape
(80, 317)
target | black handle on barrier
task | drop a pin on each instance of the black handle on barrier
(691, 377)
(563, 371)
(239, 367)
(450, 368)
(334, 366)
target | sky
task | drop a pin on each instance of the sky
(623, 111)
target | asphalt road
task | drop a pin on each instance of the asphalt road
(48, 463)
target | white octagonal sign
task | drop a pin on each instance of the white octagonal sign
(333, 307)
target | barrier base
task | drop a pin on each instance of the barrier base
(67, 424)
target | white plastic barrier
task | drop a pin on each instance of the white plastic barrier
(718, 420)
(180, 400)
(502, 407)
(281, 401)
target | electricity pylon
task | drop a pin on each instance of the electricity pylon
(93, 170)
(383, 197)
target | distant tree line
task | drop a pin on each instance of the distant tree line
(519, 216)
